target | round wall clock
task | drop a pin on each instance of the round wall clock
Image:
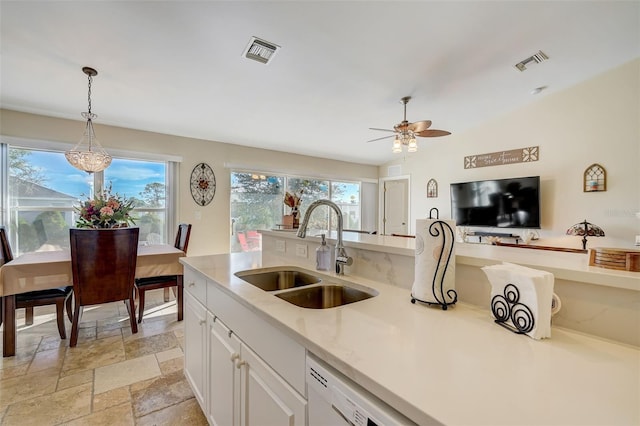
(203, 184)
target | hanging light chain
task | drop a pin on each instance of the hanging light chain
(90, 78)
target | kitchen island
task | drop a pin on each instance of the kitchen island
(433, 366)
(596, 301)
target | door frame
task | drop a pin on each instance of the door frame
(381, 201)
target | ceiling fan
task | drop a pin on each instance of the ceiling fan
(405, 133)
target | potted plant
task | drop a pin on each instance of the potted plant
(292, 220)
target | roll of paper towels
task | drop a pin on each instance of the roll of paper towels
(556, 304)
(435, 262)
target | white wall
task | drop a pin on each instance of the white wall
(597, 121)
(210, 232)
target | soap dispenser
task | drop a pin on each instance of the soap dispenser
(323, 256)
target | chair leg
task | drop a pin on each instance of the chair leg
(69, 307)
(28, 315)
(179, 293)
(74, 325)
(140, 303)
(166, 294)
(131, 307)
(60, 318)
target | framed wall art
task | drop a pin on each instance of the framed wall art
(432, 189)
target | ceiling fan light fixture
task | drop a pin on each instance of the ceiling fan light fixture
(405, 132)
(397, 146)
(413, 145)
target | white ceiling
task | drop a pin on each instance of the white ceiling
(176, 67)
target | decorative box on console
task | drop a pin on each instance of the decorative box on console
(290, 221)
(614, 258)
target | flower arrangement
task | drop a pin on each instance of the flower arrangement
(293, 200)
(105, 210)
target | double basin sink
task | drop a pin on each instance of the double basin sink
(299, 287)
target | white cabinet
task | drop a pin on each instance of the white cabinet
(195, 334)
(267, 400)
(224, 374)
(233, 383)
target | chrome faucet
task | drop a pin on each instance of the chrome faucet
(341, 255)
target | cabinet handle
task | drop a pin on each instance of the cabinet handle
(234, 357)
(202, 322)
(240, 364)
(230, 333)
(191, 284)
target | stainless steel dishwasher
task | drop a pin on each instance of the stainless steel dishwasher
(333, 401)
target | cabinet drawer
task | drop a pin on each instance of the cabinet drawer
(196, 285)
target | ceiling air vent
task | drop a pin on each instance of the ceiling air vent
(537, 58)
(260, 50)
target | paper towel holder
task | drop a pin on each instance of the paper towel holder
(437, 228)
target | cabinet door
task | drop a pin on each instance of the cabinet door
(195, 335)
(224, 375)
(266, 399)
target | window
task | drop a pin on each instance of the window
(257, 202)
(43, 190)
(312, 190)
(146, 182)
(347, 196)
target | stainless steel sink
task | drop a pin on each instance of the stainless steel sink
(324, 296)
(277, 278)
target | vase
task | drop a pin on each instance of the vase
(296, 217)
(114, 225)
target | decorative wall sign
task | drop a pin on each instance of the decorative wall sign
(520, 155)
(432, 189)
(203, 184)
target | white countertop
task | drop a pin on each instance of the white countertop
(455, 366)
(568, 266)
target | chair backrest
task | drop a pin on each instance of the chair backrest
(242, 239)
(5, 249)
(182, 237)
(103, 263)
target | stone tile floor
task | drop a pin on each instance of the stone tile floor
(112, 377)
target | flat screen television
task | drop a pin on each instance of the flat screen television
(500, 203)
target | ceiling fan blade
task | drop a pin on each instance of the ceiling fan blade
(433, 133)
(382, 130)
(379, 139)
(419, 126)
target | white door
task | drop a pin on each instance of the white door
(195, 335)
(396, 208)
(224, 376)
(267, 400)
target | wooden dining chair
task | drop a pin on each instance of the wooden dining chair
(166, 281)
(58, 296)
(103, 265)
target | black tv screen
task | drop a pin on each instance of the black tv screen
(501, 203)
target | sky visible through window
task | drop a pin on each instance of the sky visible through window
(128, 177)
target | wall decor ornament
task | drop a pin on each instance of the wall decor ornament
(500, 158)
(432, 189)
(595, 178)
(203, 184)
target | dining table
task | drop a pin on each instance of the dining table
(41, 270)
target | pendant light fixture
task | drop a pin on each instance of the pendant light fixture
(88, 155)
